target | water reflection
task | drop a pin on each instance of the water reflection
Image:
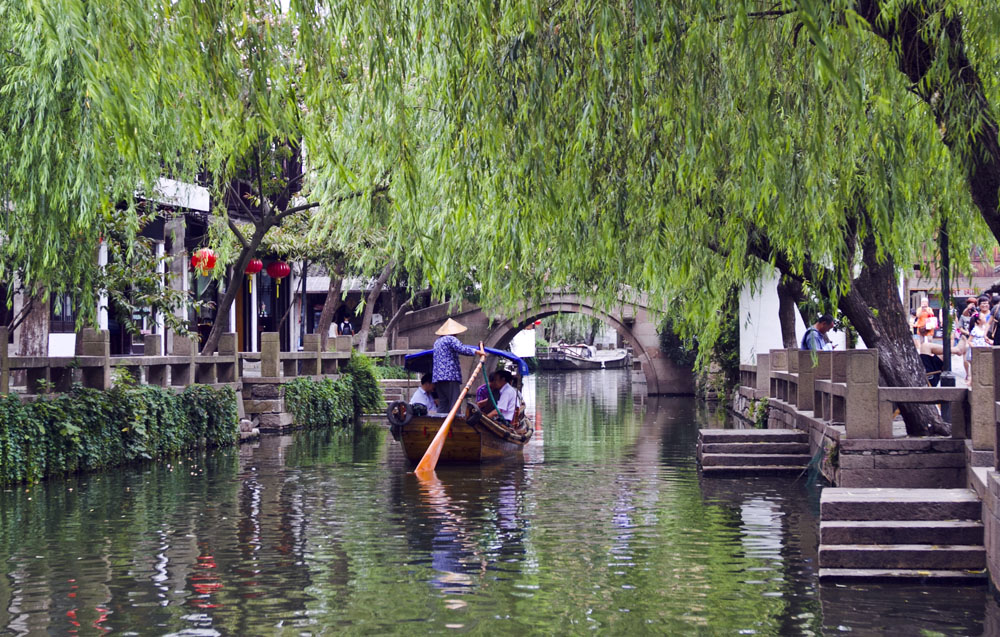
(606, 525)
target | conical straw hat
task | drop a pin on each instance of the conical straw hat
(451, 326)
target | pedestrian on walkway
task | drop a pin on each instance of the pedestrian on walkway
(815, 337)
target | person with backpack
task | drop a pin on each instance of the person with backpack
(815, 337)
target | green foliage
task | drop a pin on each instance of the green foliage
(341, 402)
(757, 412)
(88, 429)
(367, 392)
(385, 370)
(322, 403)
(682, 351)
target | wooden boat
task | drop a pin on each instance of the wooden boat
(473, 437)
(579, 357)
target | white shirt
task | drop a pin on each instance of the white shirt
(507, 401)
(420, 397)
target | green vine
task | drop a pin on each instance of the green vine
(367, 392)
(758, 411)
(321, 403)
(88, 429)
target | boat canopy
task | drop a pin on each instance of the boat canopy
(422, 362)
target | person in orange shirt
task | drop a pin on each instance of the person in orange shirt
(922, 314)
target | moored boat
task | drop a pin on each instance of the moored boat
(580, 357)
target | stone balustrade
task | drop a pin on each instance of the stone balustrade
(837, 396)
(94, 367)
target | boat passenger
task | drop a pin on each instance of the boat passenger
(505, 394)
(424, 395)
(447, 373)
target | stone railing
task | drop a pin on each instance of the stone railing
(94, 367)
(838, 395)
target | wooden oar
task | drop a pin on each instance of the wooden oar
(426, 467)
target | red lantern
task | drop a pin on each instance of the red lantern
(278, 270)
(255, 266)
(203, 260)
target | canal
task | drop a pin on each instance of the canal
(606, 527)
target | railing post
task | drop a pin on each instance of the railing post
(764, 374)
(181, 367)
(793, 368)
(226, 366)
(807, 392)
(982, 399)
(402, 342)
(270, 352)
(155, 374)
(311, 366)
(97, 343)
(779, 363)
(861, 418)
(381, 345)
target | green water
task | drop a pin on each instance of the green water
(606, 527)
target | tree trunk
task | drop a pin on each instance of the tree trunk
(876, 312)
(235, 286)
(366, 319)
(330, 305)
(35, 327)
(789, 294)
(390, 328)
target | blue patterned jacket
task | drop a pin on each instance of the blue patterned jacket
(446, 351)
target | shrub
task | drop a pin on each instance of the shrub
(367, 393)
(321, 403)
(90, 429)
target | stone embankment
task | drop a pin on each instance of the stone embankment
(904, 507)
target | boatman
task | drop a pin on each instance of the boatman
(424, 395)
(447, 373)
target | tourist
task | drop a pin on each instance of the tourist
(984, 306)
(447, 375)
(424, 395)
(923, 312)
(815, 337)
(346, 329)
(505, 395)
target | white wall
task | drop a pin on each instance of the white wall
(62, 344)
(760, 330)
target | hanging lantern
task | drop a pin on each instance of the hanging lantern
(278, 270)
(203, 261)
(253, 267)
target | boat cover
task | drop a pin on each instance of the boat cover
(422, 362)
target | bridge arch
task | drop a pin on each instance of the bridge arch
(635, 323)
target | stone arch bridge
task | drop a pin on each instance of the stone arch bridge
(634, 322)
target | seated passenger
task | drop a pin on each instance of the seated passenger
(505, 395)
(424, 395)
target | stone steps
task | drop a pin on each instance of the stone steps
(903, 556)
(756, 447)
(899, 504)
(755, 451)
(900, 532)
(752, 435)
(889, 574)
(753, 459)
(897, 534)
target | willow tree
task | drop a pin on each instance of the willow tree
(595, 145)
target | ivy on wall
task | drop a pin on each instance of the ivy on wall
(88, 429)
(336, 403)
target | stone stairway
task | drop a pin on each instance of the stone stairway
(901, 534)
(756, 451)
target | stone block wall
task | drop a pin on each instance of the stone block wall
(901, 463)
(398, 389)
(264, 403)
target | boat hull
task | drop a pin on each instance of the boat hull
(466, 443)
(568, 362)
